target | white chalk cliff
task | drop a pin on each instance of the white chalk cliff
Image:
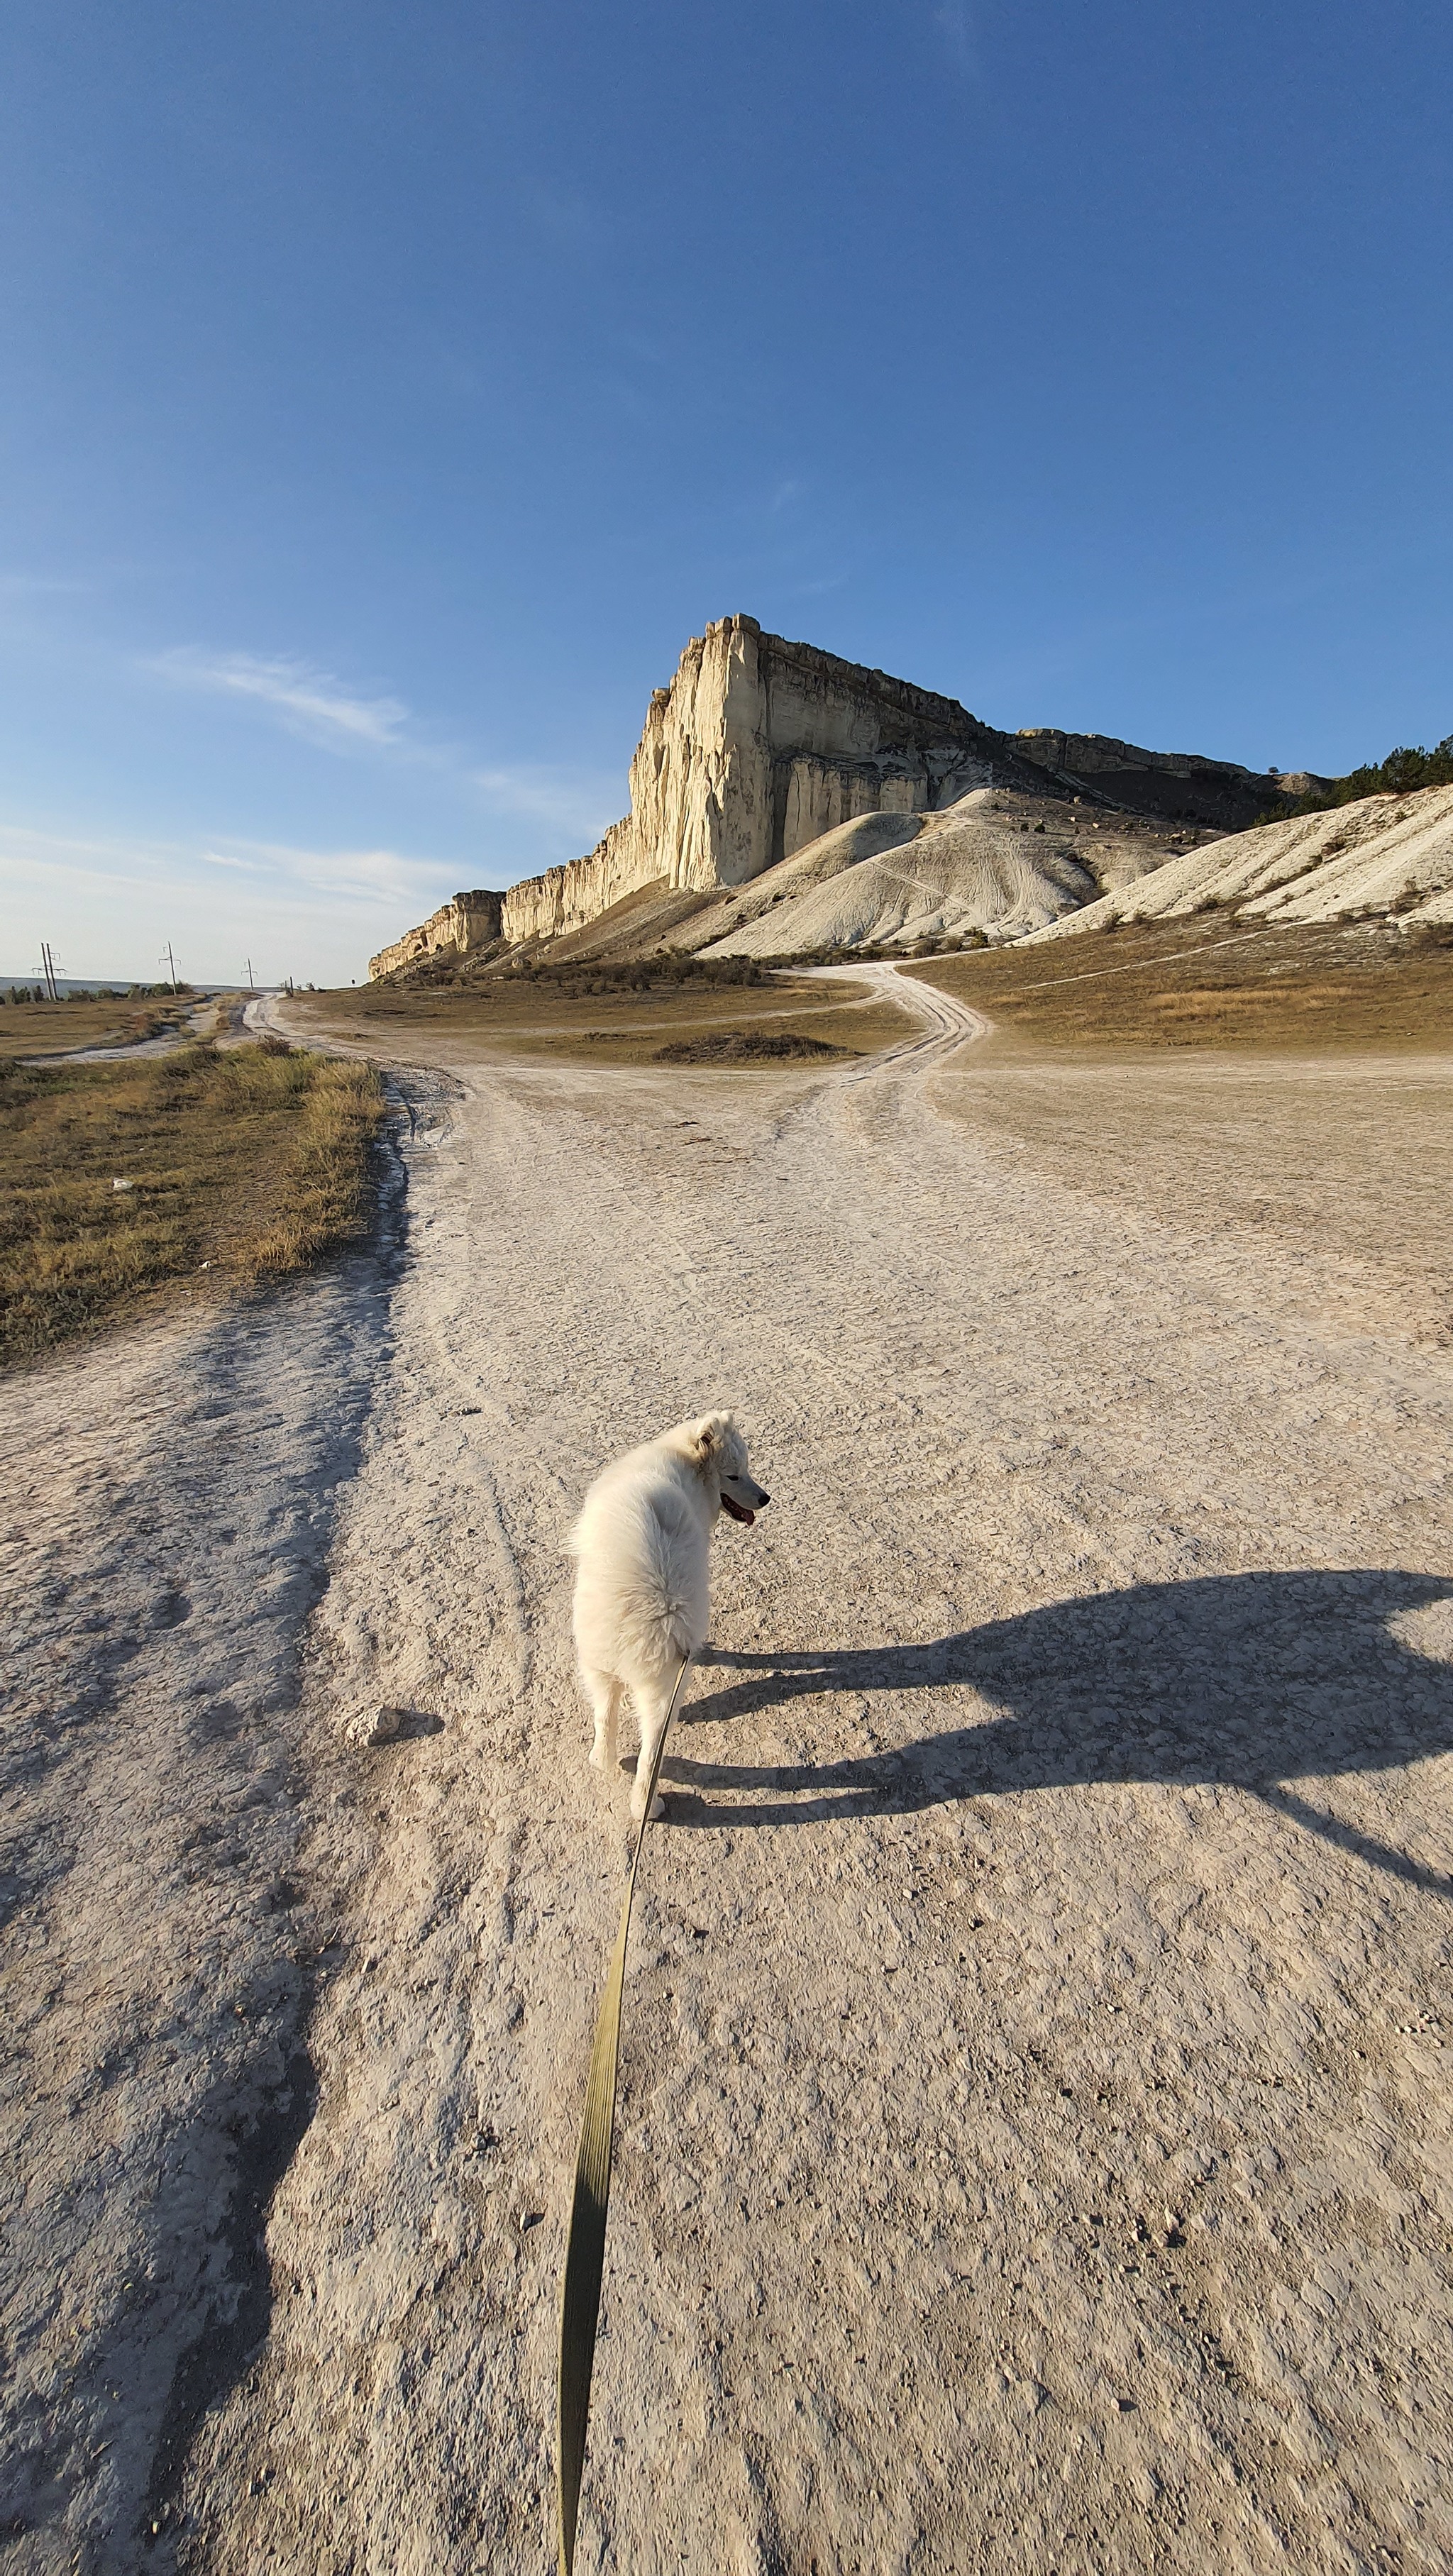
(470, 922)
(757, 747)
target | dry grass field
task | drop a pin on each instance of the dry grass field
(607, 1028)
(243, 1166)
(49, 1028)
(1213, 982)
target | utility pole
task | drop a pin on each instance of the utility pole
(171, 965)
(48, 961)
(251, 986)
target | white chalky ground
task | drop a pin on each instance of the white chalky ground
(1033, 2151)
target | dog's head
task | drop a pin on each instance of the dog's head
(721, 1455)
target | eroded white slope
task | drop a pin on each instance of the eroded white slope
(1357, 859)
(980, 865)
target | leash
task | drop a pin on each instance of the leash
(585, 2244)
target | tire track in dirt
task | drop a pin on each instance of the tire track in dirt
(1030, 2135)
(1033, 2115)
(163, 1536)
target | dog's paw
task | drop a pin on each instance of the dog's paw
(658, 1810)
(600, 1757)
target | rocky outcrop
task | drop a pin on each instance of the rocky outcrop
(758, 747)
(471, 921)
(1178, 786)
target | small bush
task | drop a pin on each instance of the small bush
(748, 1046)
(1403, 773)
(566, 979)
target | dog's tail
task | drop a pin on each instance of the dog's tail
(651, 1587)
(668, 1595)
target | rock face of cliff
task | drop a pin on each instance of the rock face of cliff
(470, 921)
(1177, 786)
(757, 747)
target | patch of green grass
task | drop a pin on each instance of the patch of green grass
(252, 1163)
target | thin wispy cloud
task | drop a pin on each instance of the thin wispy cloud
(38, 585)
(365, 877)
(110, 903)
(315, 705)
(955, 26)
(565, 218)
(308, 700)
(284, 872)
(581, 809)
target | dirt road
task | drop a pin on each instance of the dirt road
(1034, 2148)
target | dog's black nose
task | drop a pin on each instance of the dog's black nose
(762, 1505)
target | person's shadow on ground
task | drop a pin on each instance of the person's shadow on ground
(1253, 1680)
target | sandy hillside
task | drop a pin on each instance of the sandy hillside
(995, 861)
(1034, 2143)
(1383, 854)
(1001, 860)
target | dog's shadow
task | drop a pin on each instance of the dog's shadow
(1253, 1680)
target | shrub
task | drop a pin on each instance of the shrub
(749, 1046)
(1403, 772)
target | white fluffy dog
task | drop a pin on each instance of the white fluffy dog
(641, 1602)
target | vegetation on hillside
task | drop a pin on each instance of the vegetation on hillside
(868, 952)
(667, 973)
(1402, 773)
(241, 1165)
(569, 978)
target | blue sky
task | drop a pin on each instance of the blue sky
(391, 390)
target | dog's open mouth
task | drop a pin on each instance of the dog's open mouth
(738, 1511)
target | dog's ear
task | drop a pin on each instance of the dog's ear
(708, 1436)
